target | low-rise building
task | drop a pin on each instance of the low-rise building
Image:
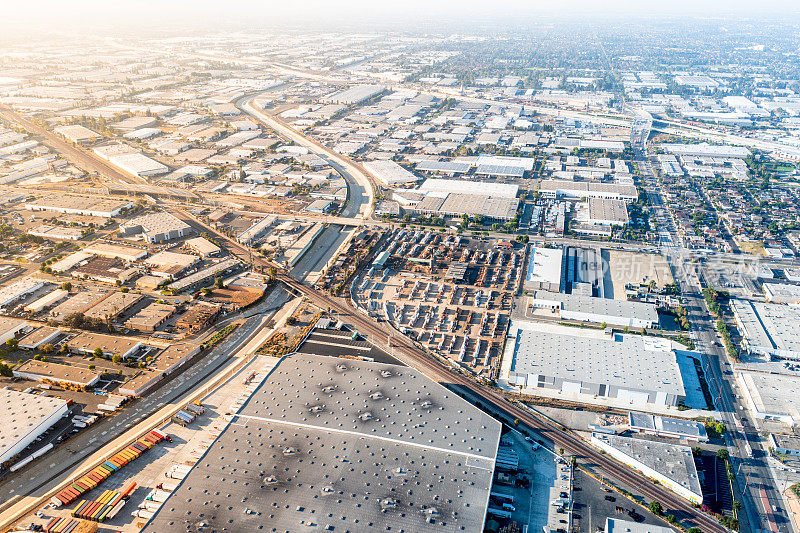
(56, 373)
(111, 345)
(151, 317)
(23, 417)
(156, 227)
(670, 464)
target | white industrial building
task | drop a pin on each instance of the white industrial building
(664, 426)
(782, 293)
(671, 465)
(585, 189)
(353, 95)
(156, 227)
(706, 150)
(77, 134)
(770, 395)
(23, 417)
(768, 329)
(546, 358)
(138, 164)
(257, 230)
(606, 212)
(10, 294)
(545, 269)
(445, 186)
(580, 308)
(390, 174)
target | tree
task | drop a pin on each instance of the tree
(92, 367)
(291, 321)
(98, 352)
(12, 344)
(6, 370)
(655, 508)
(206, 291)
(47, 348)
(272, 274)
(694, 530)
(218, 282)
(723, 453)
(720, 428)
(67, 286)
(737, 505)
(117, 359)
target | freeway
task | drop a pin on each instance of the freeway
(77, 156)
(36, 479)
(493, 400)
(748, 451)
(360, 192)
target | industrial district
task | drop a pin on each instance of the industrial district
(512, 281)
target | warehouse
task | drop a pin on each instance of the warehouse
(771, 396)
(11, 294)
(49, 231)
(202, 247)
(79, 205)
(495, 190)
(583, 189)
(663, 426)
(707, 150)
(421, 436)
(588, 364)
(782, 293)
(86, 343)
(451, 168)
(77, 134)
(39, 337)
(170, 264)
(10, 328)
(607, 212)
(164, 364)
(353, 95)
(104, 270)
(256, 231)
(113, 305)
(768, 329)
(156, 227)
(138, 164)
(151, 317)
(671, 465)
(23, 417)
(56, 373)
(129, 254)
(455, 205)
(390, 174)
(620, 313)
(198, 279)
(544, 269)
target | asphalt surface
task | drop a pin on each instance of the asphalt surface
(35, 478)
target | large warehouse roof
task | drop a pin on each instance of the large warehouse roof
(22, 413)
(347, 445)
(390, 173)
(545, 266)
(627, 361)
(769, 329)
(497, 190)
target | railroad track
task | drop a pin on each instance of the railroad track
(75, 155)
(419, 359)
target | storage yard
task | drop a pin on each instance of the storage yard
(451, 293)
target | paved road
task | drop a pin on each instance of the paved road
(34, 478)
(360, 194)
(748, 451)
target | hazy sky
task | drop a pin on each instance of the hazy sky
(106, 15)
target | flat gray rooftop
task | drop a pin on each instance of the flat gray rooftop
(671, 461)
(642, 363)
(328, 444)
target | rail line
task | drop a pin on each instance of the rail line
(434, 369)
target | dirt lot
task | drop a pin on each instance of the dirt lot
(630, 267)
